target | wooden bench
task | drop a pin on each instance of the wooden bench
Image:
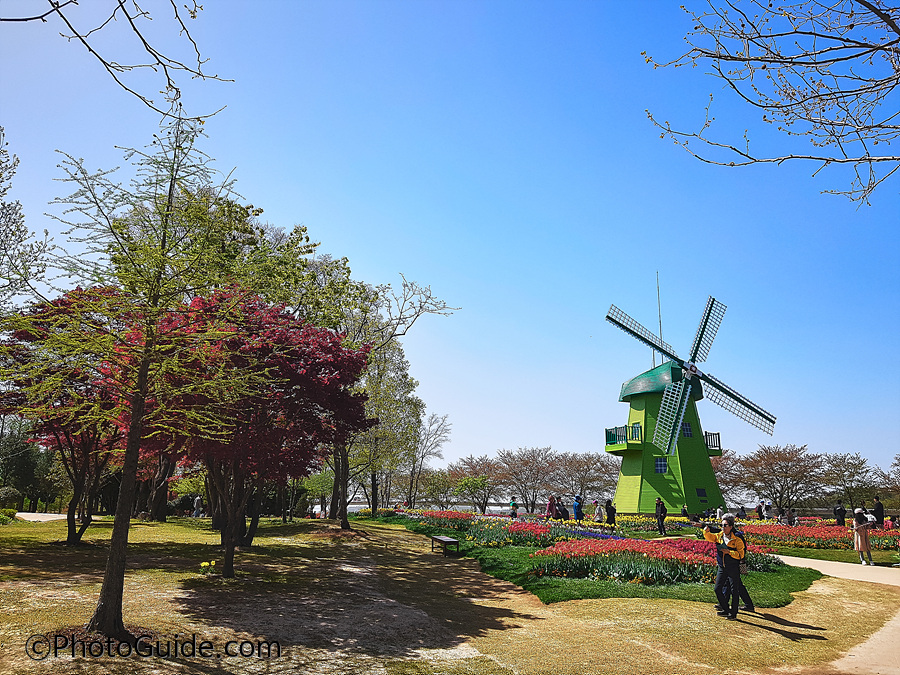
(444, 542)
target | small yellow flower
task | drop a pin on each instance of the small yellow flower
(204, 564)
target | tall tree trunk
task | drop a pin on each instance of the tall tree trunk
(159, 488)
(344, 489)
(336, 491)
(374, 493)
(72, 534)
(253, 510)
(107, 619)
(141, 495)
(282, 502)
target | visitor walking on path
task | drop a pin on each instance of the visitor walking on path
(840, 514)
(551, 508)
(860, 528)
(759, 511)
(729, 552)
(661, 512)
(610, 512)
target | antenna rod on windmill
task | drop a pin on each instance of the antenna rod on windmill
(659, 312)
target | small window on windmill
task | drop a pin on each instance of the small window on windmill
(662, 465)
(686, 430)
(701, 492)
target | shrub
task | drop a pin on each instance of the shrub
(9, 513)
(9, 496)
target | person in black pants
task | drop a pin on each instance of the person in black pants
(730, 551)
(661, 513)
(746, 601)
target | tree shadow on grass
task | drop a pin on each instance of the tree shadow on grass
(370, 599)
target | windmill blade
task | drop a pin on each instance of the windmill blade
(671, 415)
(619, 318)
(706, 332)
(722, 395)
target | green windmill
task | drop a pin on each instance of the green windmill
(675, 464)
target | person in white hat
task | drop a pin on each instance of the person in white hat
(860, 528)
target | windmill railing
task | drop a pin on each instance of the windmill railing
(626, 434)
(713, 441)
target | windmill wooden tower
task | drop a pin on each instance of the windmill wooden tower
(665, 452)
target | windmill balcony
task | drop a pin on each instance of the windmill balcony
(634, 434)
(627, 434)
(713, 443)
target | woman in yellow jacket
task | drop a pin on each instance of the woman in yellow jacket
(729, 552)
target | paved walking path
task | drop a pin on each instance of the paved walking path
(40, 517)
(879, 654)
(877, 574)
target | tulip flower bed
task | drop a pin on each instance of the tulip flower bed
(759, 558)
(503, 532)
(454, 520)
(627, 560)
(821, 536)
(815, 521)
(647, 524)
(382, 513)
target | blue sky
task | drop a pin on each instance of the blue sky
(500, 153)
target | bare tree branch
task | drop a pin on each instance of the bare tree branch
(825, 71)
(128, 13)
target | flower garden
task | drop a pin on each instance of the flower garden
(576, 549)
(816, 534)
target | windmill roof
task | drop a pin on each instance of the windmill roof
(656, 380)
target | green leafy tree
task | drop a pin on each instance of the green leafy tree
(376, 317)
(438, 488)
(160, 239)
(18, 457)
(376, 454)
(478, 479)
